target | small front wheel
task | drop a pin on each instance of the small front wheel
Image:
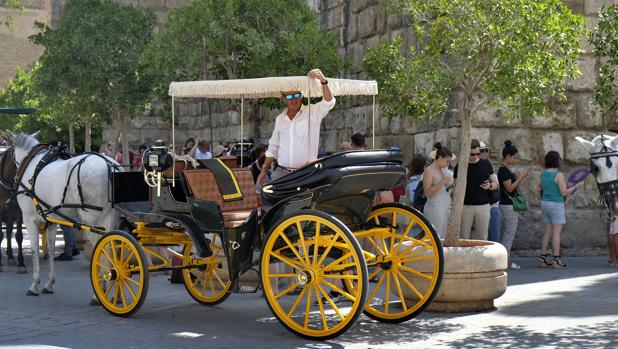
(209, 283)
(302, 264)
(119, 274)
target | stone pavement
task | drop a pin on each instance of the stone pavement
(572, 308)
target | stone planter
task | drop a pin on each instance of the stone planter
(474, 275)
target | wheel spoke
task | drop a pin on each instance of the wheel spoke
(370, 239)
(133, 281)
(109, 288)
(394, 224)
(111, 261)
(298, 299)
(341, 276)
(199, 277)
(204, 282)
(403, 236)
(308, 307)
(212, 285)
(131, 289)
(102, 266)
(315, 244)
(114, 251)
(322, 314)
(339, 260)
(293, 248)
(340, 267)
(375, 290)
(282, 275)
(330, 301)
(403, 278)
(122, 295)
(403, 301)
(214, 272)
(286, 291)
(415, 272)
(126, 261)
(286, 260)
(330, 246)
(374, 274)
(337, 289)
(116, 292)
(301, 235)
(388, 291)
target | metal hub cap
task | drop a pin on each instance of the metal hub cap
(110, 275)
(303, 278)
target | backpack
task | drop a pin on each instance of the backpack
(419, 200)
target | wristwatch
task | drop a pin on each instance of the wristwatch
(324, 83)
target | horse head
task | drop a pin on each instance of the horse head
(22, 144)
(604, 166)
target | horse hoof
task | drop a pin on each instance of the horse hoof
(30, 293)
(22, 270)
(94, 302)
(46, 291)
(11, 262)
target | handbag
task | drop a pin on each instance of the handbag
(519, 202)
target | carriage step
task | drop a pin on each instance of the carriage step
(248, 289)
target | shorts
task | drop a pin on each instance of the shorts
(553, 212)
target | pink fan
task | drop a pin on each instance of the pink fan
(578, 176)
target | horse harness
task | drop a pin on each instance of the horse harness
(53, 153)
(609, 190)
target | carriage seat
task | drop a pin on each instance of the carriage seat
(201, 185)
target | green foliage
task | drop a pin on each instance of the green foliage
(605, 41)
(92, 66)
(234, 39)
(517, 52)
(11, 6)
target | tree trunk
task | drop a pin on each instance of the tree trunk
(71, 139)
(454, 226)
(118, 128)
(125, 143)
(88, 136)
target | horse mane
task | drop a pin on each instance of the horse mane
(24, 141)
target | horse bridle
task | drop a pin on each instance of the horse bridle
(609, 190)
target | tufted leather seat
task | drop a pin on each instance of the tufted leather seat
(202, 185)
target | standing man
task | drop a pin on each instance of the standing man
(481, 179)
(290, 144)
(201, 151)
(494, 202)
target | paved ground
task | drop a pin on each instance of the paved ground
(571, 308)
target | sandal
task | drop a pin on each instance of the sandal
(558, 264)
(543, 261)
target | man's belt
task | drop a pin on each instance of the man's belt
(287, 169)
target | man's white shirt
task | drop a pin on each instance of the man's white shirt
(200, 155)
(290, 142)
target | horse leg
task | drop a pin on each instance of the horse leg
(51, 243)
(8, 221)
(7, 250)
(19, 236)
(33, 233)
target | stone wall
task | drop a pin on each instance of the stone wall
(16, 51)
(360, 24)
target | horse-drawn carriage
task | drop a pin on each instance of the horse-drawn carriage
(322, 251)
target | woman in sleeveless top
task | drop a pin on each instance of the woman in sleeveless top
(553, 189)
(437, 181)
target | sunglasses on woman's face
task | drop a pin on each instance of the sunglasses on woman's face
(293, 96)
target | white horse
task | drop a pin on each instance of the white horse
(604, 167)
(50, 187)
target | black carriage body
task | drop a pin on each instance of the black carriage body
(343, 185)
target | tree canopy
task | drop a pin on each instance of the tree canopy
(517, 53)
(605, 41)
(234, 39)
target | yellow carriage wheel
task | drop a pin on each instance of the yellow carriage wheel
(119, 274)
(406, 273)
(302, 264)
(210, 283)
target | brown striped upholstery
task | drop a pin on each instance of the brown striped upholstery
(201, 184)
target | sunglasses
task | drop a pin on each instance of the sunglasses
(475, 154)
(483, 150)
(293, 96)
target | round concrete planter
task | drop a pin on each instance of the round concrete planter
(474, 275)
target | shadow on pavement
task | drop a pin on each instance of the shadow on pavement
(602, 335)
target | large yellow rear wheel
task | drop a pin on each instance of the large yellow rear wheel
(407, 271)
(210, 283)
(118, 273)
(302, 264)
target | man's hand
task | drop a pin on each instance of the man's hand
(262, 177)
(316, 74)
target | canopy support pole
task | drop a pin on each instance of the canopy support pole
(173, 144)
(242, 116)
(373, 123)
